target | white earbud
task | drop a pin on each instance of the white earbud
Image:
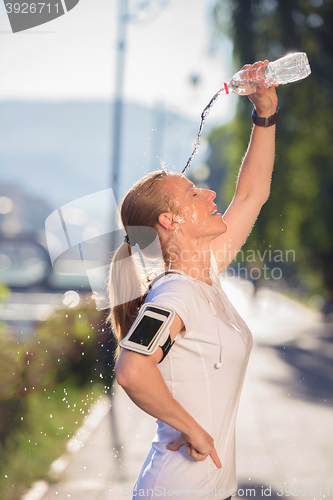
(218, 365)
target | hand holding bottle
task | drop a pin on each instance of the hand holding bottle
(287, 69)
(264, 98)
(259, 80)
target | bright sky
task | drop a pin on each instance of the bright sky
(73, 57)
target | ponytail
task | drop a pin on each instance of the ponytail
(127, 282)
(140, 209)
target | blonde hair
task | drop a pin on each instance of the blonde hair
(141, 206)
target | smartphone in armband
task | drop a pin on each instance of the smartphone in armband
(150, 330)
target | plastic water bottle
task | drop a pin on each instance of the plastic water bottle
(287, 69)
(290, 68)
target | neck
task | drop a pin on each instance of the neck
(192, 261)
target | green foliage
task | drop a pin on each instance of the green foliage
(66, 345)
(46, 374)
(50, 419)
(298, 214)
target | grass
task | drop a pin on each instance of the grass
(52, 418)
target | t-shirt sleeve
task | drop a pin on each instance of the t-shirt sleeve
(179, 295)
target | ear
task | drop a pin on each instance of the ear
(166, 220)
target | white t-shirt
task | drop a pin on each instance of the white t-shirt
(211, 396)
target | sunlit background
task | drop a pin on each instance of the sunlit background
(89, 103)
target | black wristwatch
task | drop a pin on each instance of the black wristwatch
(265, 122)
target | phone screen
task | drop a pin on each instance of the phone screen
(146, 330)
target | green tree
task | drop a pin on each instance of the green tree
(298, 214)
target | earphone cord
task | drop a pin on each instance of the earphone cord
(218, 330)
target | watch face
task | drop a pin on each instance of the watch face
(145, 331)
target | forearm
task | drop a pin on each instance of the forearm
(144, 384)
(255, 175)
(146, 388)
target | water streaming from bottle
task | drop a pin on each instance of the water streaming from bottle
(290, 68)
(204, 114)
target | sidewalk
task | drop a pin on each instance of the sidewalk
(284, 427)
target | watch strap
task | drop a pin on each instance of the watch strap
(265, 122)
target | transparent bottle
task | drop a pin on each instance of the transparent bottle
(287, 69)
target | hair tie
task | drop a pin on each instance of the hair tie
(126, 239)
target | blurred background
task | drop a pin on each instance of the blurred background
(94, 100)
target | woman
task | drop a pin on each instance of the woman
(194, 391)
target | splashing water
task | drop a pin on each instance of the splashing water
(204, 114)
(163, 163)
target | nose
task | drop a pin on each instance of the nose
(211, 195)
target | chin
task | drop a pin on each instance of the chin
(225, 228)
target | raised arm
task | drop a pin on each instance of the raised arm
(144, 384)
(254, 180)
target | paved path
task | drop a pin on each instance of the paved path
(284, 427)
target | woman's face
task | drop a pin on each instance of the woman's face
(196, 206)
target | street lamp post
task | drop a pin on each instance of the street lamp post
(118, 99)
(140, 12)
